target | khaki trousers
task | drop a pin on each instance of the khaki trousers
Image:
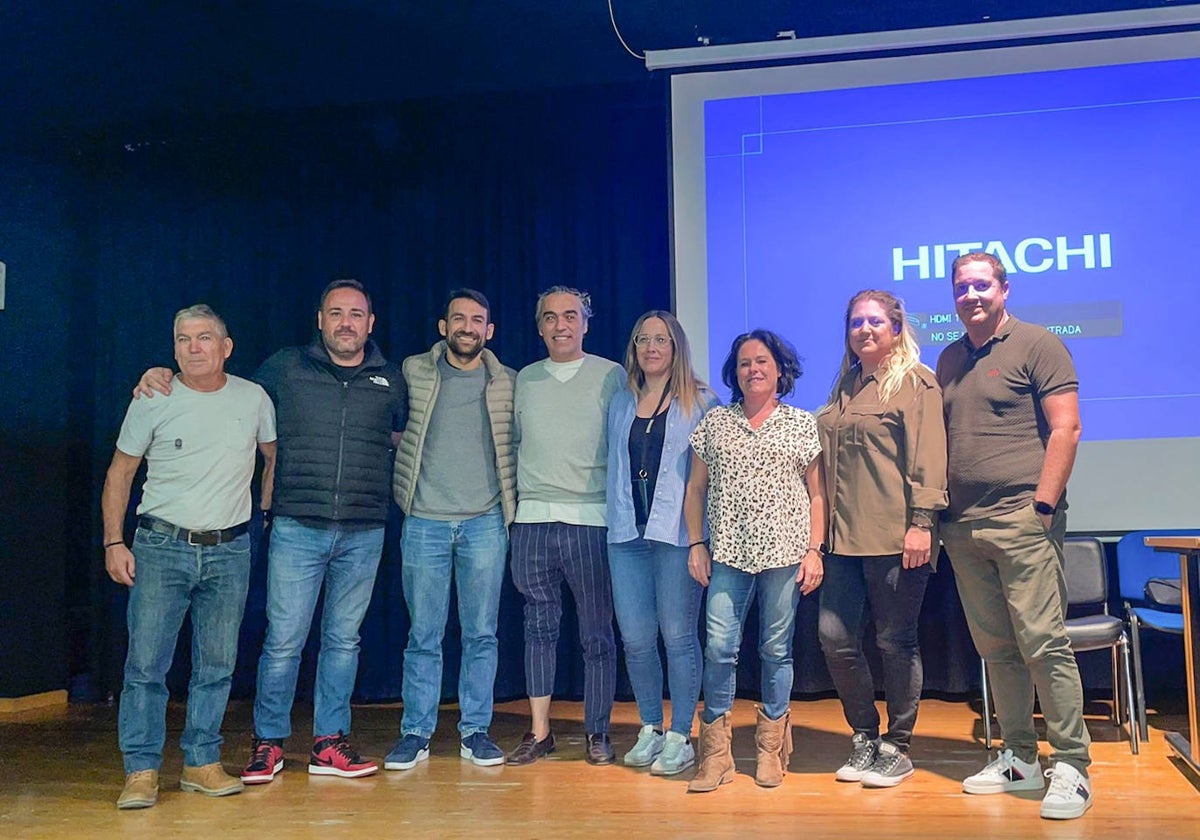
(1009, 573)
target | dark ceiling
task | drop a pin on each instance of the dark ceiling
(80, 65)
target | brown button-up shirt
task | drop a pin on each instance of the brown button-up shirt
(882, 460)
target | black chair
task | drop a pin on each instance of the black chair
(1090, 627)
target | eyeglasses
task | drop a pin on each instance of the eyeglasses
(643, 340)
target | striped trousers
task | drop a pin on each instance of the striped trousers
(544, 556)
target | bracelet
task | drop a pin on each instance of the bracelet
(114, 542)
(693, 545)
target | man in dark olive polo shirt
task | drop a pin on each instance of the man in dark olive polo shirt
(1011, 400)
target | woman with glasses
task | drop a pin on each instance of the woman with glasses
(884, 447)
(756, 462)
(648, 460)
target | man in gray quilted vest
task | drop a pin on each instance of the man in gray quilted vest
(455, 480)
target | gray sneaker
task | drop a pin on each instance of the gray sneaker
(649, 745)
(891, 767)
(862, 756)
(677, 756)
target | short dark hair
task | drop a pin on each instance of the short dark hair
(468, 294)
(785, 359)
(345, 283)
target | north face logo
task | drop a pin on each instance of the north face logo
(381, 381)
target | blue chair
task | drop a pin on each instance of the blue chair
(1089, 627)
(1136, 564)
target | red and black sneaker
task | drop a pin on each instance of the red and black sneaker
(332, 755)
(266, 759)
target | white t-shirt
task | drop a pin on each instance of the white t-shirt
(200, 449)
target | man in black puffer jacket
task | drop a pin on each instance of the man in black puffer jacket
(338, 404)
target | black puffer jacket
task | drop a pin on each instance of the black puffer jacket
(335, 454)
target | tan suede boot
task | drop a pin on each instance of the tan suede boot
(716, 756)
(774, 741)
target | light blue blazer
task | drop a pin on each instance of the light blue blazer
(666, 523)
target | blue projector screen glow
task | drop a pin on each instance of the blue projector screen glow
(1084, 181)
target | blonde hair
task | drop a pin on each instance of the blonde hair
(685, 387)
(900, 364)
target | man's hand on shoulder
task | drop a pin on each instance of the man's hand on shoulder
(155, 379)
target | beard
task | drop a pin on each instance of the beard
(464, 346)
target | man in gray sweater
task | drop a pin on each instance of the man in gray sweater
(455, 480)
(561, 407)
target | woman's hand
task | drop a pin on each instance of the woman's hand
(917, 544)
(699, 564)
(812, 571)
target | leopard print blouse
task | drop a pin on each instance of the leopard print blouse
(758, 506)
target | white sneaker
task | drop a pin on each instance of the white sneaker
(649, 745)
(1070, 793)
(677, 756)
(1005, 773)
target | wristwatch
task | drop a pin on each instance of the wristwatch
(1045, 508)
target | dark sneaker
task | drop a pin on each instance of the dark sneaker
(531, 749)
(891, 767)
(480, 750)
(332, 755)
(862, 756)
(408, 752)
(266, 760)
(599, 749)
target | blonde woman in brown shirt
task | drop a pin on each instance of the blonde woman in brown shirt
(884, 444)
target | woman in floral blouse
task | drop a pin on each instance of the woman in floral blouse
(756, 463)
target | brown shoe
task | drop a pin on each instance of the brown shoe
(140, 791)
(774, 741)
(531, 749)
(716, 756)
(211, 780)
(599, 749)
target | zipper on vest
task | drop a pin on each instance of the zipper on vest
(337, 480)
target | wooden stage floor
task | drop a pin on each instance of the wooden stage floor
(61, 774)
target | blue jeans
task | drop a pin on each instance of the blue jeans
(474, 551)
(171, 577)
(894, 595)
(653, 591)
(300, 559)
(730, 592)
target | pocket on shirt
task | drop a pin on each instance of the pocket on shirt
(867, 423)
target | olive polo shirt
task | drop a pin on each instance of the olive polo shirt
(996, 430)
